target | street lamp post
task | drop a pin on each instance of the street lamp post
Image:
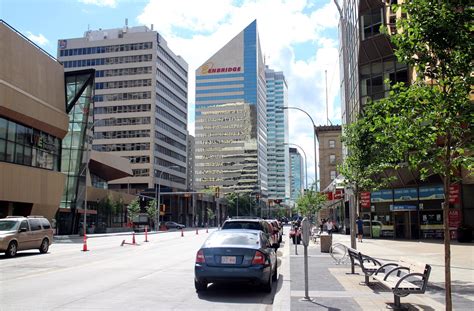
(157, 193)
(314, 137)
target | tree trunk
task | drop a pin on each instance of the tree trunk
(447, 237)
(353, 215)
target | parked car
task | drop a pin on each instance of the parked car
(277, 230)
(366, 226)
(19, 233)
(252, 224)
(174, 225)
(236, 255)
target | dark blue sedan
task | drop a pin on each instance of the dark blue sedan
(236, 255)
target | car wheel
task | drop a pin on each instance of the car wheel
(275, 273)
(267, 286)
(44, 246)
(11, 249)
(200, 285)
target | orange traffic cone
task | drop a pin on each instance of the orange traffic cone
(133, 238)
(84, 245)
(146, 233)
(182, 234)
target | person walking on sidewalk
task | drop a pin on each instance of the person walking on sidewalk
(360, 230)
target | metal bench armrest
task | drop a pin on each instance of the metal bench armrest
(393, 270)
(403, 278)
(382, 268)
(370, 259)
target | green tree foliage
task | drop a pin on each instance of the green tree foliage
(310, 202)
(133, 210)
(152, 210)
(429, 123)
(245, 203)
(210, 215)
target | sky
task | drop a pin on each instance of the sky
(298, 37)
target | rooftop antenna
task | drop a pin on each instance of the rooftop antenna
(328, 122)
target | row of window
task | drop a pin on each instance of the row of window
(170, 94)
(124, 121)
(123, 72)
(164, 163)
(176, 87)
(122, 134)
(122, 96)
(174, 74)
(122, 147)
(107, 49)
(170, 141)
(24, 145)
(138, 159)
(107, 61)
(170, 153)
(122, 109)
(170, 129)
(170, 117)
(162, 51)
(170, 106)
(122, 84)
(141, 172)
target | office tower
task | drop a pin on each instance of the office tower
(296, 174)
(231, 142)
(140, 102)
(330, 153)
(190, 173)
(277, 136)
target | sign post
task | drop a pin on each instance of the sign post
(305, 228)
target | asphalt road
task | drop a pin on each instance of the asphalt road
(157, 275)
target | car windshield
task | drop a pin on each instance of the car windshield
(8, 225)
(242, 225)
(232, 238)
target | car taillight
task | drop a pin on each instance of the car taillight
(258, 259)
(200, 257)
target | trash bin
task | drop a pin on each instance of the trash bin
(326, 242)
(376, 231)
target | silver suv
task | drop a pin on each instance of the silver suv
(19, 233)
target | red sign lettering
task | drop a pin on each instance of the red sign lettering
(454, 191)
(365, 199)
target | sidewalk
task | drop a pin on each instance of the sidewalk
(332, 287)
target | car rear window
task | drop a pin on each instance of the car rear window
(232, 238)
(242, 225)
(45, 223)
(35, 224)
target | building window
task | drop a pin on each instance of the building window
(333, 175)
(332, 159)
(371, 22)
(332, 143)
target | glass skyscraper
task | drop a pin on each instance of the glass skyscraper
(296, 174)
(231, 133)
(277, 131)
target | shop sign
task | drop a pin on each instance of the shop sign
(398, 207)
(454, 218)
(454, 191)
(381, 196)
(405, 194)
(431, 192)
(339, 194)
(365, 199)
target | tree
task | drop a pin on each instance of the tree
(133, 210)
(210, 215)
(429, 123)
(152, 211)
(243, 201)
(310, 202)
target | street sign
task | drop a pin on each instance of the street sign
(305, 228)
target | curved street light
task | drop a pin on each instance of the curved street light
(314, 136)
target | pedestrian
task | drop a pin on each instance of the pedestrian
(329, 226)
(360, 230)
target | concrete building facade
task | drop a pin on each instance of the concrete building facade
(330, 153)
(140, 102)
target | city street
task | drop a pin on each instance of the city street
(156, 275)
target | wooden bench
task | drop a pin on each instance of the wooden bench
(367, 264)
(403, 278)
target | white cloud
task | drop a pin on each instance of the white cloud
(102, 3)
(197, 29)
(38, 39)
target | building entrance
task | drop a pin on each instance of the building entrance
(402, 225)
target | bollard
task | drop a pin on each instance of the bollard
(197, 231)
(146, 233)
(182, 234)
(133, 238)
(84, 245)
(207, 229)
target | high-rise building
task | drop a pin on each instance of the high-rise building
(277, 136)
(330, 153)
(231, 134)
(296, 174)
(140, 102)
(190, 174)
